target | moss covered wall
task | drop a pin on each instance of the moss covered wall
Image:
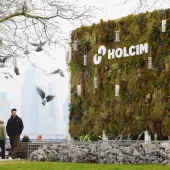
(144, 101)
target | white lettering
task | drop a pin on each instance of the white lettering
(143, 48)
(119, 53)
(97, 59)
(125, 54)
(137, 49)
(111, 54)
(102, 50)
(131, 52)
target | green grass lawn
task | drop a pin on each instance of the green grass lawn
(26, 165)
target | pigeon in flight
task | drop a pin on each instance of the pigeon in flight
(58, 71)
(27, 5)
(2, 61)
(39, 46)
(16, 70)
(42, 95)
(7, 75)
(0, 44)
(26, 50)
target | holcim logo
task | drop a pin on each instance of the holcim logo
(120, 52)
(101, 51)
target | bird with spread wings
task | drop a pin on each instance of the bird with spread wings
(58, 71)
(39, 46)
(44, 98)
(3, 59)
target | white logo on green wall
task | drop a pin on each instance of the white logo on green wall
(120, 52)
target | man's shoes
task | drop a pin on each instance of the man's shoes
(13, 157)
(10, 153)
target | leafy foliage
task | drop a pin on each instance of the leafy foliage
(144, 99)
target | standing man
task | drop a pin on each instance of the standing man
(2, 138)
(14, 129)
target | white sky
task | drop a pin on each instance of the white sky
(109, 11)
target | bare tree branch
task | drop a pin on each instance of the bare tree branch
(142, 5)
(20, 24)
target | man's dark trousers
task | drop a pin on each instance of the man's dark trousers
(2, 146)
(14, 129)
(14, 141)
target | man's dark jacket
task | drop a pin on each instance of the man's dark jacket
(14, 126)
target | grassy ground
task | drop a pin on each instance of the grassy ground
(26, 165)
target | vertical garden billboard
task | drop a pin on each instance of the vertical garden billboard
(120, 76)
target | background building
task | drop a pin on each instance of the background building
(5, 106)
(29, 100)
(39, 119)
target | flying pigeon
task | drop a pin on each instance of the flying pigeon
(26, 52)
(0, 44)
(7, 75)
(16, 70)
(27, 5)
(42, 95)
(58, 71)
(2, 61)
(26, 46)
(39, 46)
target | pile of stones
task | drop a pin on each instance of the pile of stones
(106, 152)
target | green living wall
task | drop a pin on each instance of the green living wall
(144, 101)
